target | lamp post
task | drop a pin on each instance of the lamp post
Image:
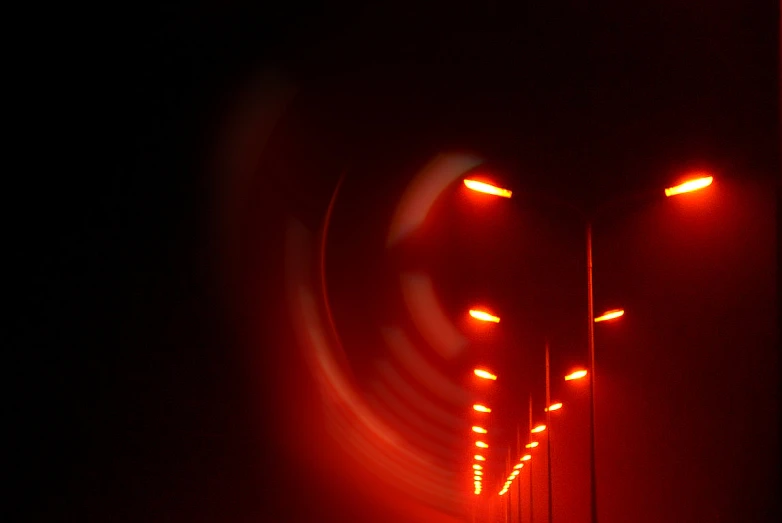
(548, 445)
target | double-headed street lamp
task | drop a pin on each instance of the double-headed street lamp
(687, 187)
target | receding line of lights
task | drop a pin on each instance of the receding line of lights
(531, 445)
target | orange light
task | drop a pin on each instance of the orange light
(481, 408)
(539, 428)
(478, 473)
(503, 491)
(518, 466)
(485, 374)
(477, 467)
(555, 406)
(487, 188)
(515, 473)
(526, 457)
(692, 185)
(576, 375)
(478, 457)
(531, 445)
(481, 445)
(479, 430)
(484, 316)
(610, 315)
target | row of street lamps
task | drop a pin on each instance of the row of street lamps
(486, 188)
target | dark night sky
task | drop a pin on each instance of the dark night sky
(183, 396)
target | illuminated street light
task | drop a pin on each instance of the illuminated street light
(531, 445)
(610, 315)
(481, 444)
(478, 457)
(478, 472)
(484, 316)
(477, 467)
(481, 408)
(555, 406)
(692, 185)
(487, 188)
(526, 457)
(518, 466)
(576, 375)
(485, 374)
(479, 430)
(515, 473)
(539, 428)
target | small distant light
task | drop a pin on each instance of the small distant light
(515, 473)
(526, 457)
(479, 430)
(477, 467)
(479, 457)
(531, 445)
(555, 406)
(518, 466)
(485, 374)
(481, 408)
(484, 316)
(481, 444)
(610, 315)
(539, 428)
(576, 375)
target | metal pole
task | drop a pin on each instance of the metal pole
(548, 444)
(507, 504)
(529, 464)
(591, 320)
(518, 480)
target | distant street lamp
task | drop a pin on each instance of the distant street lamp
(577, 375)
(485, 374)
(610, 315)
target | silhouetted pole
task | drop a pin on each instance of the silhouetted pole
(591, 320)
(518, 480)
(529, 464)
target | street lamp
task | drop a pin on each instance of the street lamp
(484, 316)
(487, 188)
(610, 315)
(577, 375)
(485, 374)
